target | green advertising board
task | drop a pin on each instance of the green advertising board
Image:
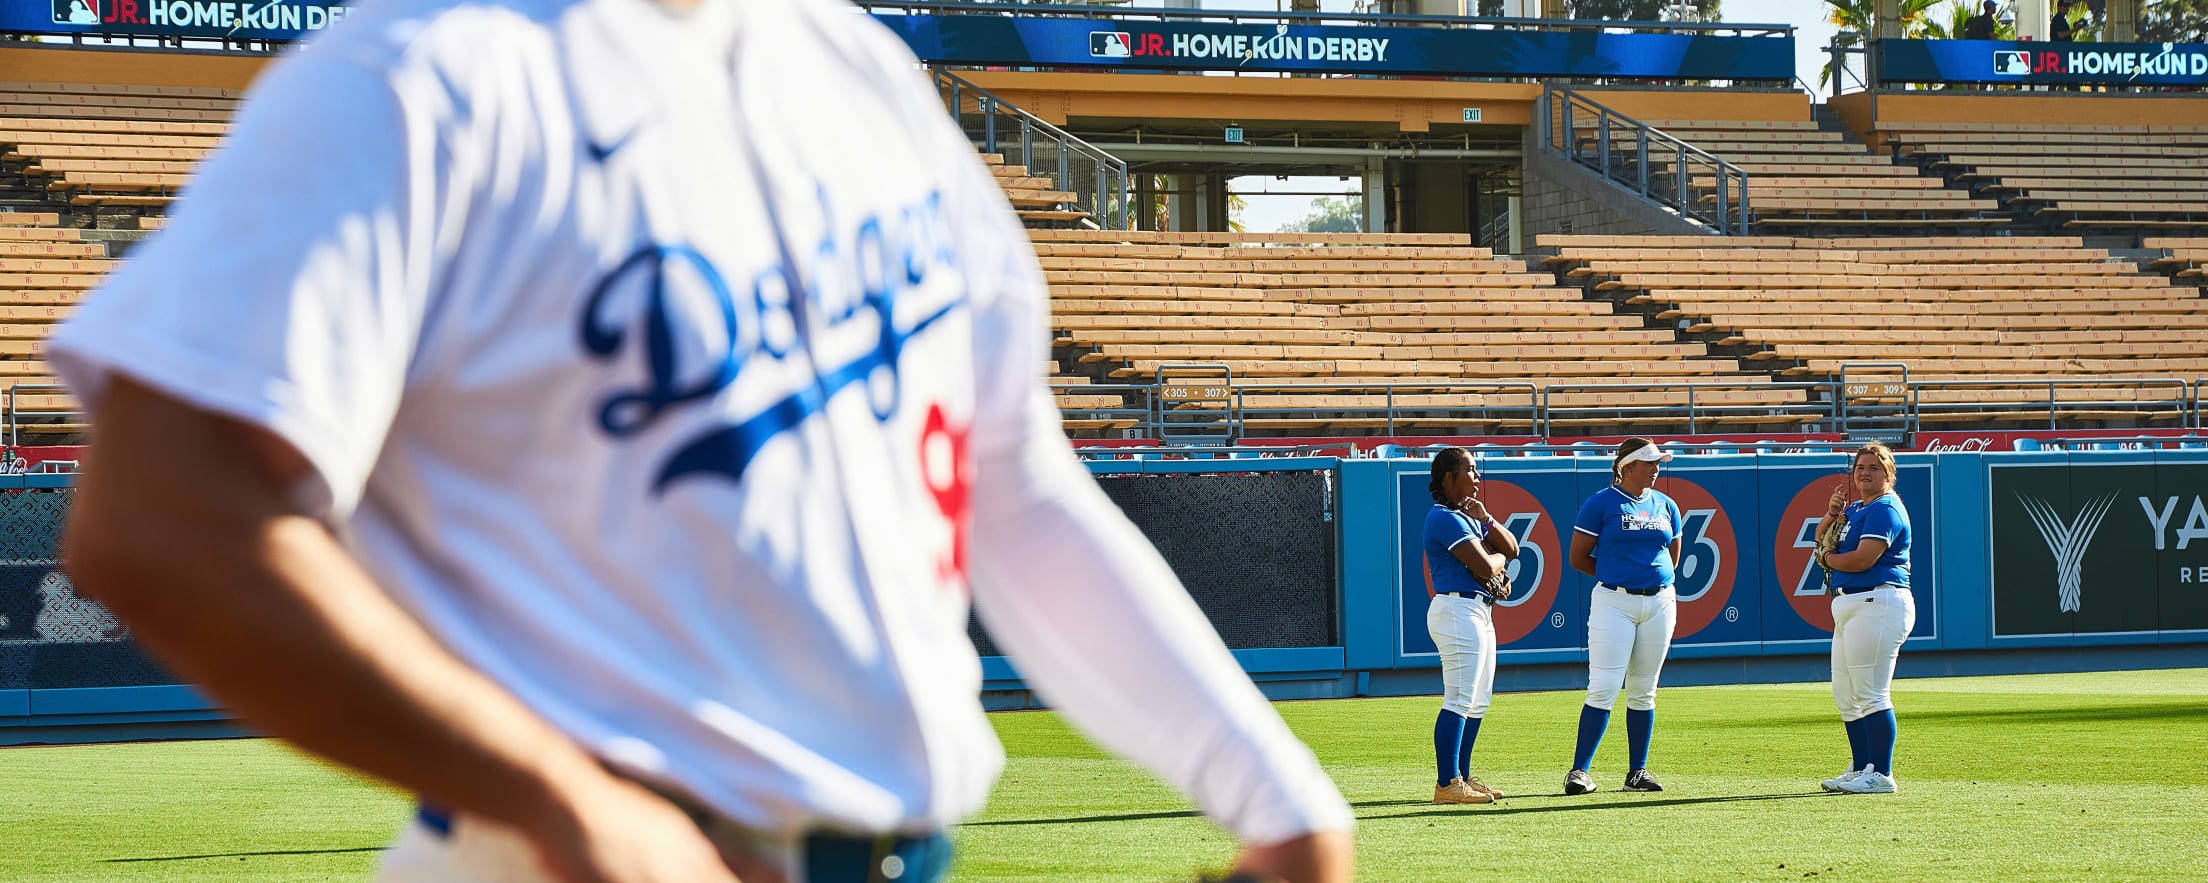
(2099, 549)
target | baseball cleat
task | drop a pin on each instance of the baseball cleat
(1477, 785)
(1459, 792)
(1578, 782)
(1870, 782)
(1640, 780)
(1833, 784)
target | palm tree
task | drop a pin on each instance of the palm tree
(1957, 13)
(1853, 18)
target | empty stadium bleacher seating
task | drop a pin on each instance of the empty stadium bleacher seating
(2093, 177)
(1313, 334)
(1804, 176)
(1354, 332)
(1974, 321)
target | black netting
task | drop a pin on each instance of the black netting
(49, 637)
(1255, 549)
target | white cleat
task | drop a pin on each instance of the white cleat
(1870, 782)
(1833, 784)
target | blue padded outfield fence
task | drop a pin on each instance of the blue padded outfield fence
(2025, 562)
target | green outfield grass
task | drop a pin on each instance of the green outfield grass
(2093, 776)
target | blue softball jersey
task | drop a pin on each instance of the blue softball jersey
(1632, 537)
(1884, 519)
(1445, 529)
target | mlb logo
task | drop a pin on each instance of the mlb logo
(76, 12)
(2008, 63)
(1109, 44)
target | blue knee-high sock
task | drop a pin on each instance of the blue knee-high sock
(1879, 733)
(1592, 721)
(1638, 725)
(1464, 748)
(1448, 734)
(1855, 744)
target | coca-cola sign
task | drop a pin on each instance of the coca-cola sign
(2037, 440)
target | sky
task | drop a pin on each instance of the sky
(1265, 214)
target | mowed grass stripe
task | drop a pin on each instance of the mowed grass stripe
(2094, 776)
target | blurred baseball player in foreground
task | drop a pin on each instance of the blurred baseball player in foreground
(587, 414)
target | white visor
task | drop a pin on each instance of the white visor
(1650, 454)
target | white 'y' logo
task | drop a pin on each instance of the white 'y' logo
(2067, 541)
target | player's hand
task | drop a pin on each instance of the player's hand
(1500, 586)
(1839, 501)
(1472, 508)
(1322, 857)
(611, 830)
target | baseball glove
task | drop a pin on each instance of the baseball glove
(1828, 539)
(1499, 585)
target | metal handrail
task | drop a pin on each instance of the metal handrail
(1137, 403)
(1389, 390)
(2187, 400)
(1543, 410)
(1162, 408)
(1907, 418)
(1839, 51)
(1106, 199)
(2199, 386)
(1694, 411)
(13, 413)
(1585, 449)
(1554, 116)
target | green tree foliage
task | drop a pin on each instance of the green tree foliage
(1947, 22)
(1331, 214)
(1640, 10)
(1854, 19)
(2174, 21)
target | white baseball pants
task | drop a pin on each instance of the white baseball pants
(477, 850)
(1627, 637)
(1867, 631)
(1464, 631)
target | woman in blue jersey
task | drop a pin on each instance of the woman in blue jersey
(1466, 553)
(1627, 538)
(1872, 613)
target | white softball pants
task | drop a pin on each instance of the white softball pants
(1867, 631)
(1627, 637)
(1464, 631)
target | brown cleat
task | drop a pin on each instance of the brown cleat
(1481, 787)
(1459, 792)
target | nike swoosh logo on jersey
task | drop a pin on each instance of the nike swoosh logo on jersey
(602, 152)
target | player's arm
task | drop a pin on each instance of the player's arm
(1866, 553)
(1090, 613)
(185, 526)
(1675, 554)
(1476, 557)
(1094, 619)
(1583, 553)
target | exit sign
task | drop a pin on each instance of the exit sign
(1471, 114)
(1234, 135)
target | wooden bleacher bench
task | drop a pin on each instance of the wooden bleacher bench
(122, 89)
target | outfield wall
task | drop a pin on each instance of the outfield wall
(2026, 562)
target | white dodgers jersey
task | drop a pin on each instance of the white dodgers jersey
(644, 356)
